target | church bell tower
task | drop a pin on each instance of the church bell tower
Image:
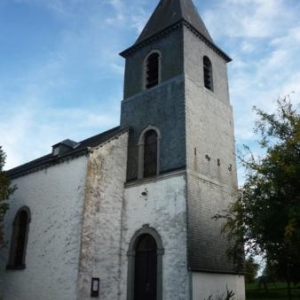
(181, 166)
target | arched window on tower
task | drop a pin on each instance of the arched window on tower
(207, 73)
(152, 70)
(19, 239)
(150, 153)
(149, 148)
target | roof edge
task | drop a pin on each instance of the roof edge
(165, 31)
(50, 160)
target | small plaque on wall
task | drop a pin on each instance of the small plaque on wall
(95, 287)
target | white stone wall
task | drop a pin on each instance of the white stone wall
(210, 135)
(55, 197)
(164, 209)
(101, 231)
(210, 148)
(206, 284)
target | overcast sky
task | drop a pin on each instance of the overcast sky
(61, 75)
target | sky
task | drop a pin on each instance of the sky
(61, 75)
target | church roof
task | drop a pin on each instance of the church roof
(76, 149)
(169, 13)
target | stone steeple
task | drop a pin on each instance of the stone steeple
(171, 12)
(188, 107)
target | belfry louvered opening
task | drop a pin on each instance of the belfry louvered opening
(152, 70)
(207, 73)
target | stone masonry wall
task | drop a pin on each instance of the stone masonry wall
(212, 179)
(101, 230)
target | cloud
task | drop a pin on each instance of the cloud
(33, 127)
(139, 19)
(119, 14)
(250, 18)
(265, 57)
(66, 93)
(74, 89)
(263, 38)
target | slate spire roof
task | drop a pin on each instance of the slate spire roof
(171, 12)
(167, 15)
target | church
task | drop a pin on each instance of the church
(127, 214)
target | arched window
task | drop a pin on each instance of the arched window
(152, 70)
(150, 153)
(149, 148)
(19, 239)
(145, 265)
(207, 73)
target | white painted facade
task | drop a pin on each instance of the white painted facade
(160, 203)
(205, 285)
(102, 218)
(75, 229)
(55, 196)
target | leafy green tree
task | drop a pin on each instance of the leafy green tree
(266, 216)
(5, 190)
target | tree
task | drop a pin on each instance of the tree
(266, 216)
(5, 190)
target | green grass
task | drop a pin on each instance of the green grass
(277, 291)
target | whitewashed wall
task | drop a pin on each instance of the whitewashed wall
(101, 231)
(55, 197)
(164, 209)
(206, 284)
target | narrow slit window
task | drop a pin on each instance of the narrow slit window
(207, 73)
(152, 70)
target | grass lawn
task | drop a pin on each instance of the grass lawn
(277, 291)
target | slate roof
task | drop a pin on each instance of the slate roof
(170, 12)
(78, 149)
(67, 142)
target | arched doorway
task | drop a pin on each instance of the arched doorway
(145, 278)
(145, 255)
